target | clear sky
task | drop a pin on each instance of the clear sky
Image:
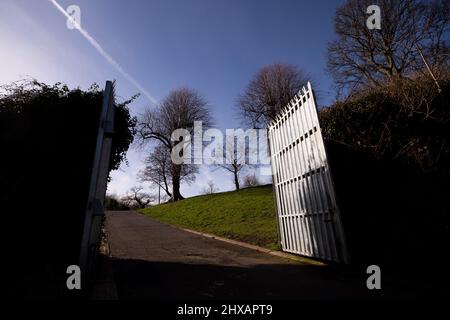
(213, 46)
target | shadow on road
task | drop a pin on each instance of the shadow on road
(138, 279)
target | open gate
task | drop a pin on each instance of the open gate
(99, 178)
(308, 217)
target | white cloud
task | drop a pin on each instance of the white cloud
(123, 179)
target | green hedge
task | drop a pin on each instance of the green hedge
(48, 136)
(408, 121)
(390, 158)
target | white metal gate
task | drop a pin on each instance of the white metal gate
(308, 217)
(99, 179)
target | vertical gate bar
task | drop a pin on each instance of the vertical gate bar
(306, 189)
(318, 191)
(302, 196)
(334, 214)
(320, 209)
(296, 196)
(280, 187)
(289, 187)
(337, 222)
(295, 165)
(308, 183)
(309, 242)
(274, 180)
(290, 190)
(285, 186)
(280, 194)
(303, 239)
(323, 188)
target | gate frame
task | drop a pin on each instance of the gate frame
(301, 99)
(98, 183)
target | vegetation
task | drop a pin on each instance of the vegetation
(251, 180)
(179, 110)
(407, 121)
(388, 147)
(113, 203)
(268, 92)
(32, 102)
(210, 188)
(387, 141)
(136, 198)
(234, 157)
(413, 33)
(159, 170)
(48, 135)
(246, 215)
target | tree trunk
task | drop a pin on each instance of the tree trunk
(236, 180)
(166, 188)
(176, 195)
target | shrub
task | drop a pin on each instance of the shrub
(408, 121)
(48, 136)
(390, 158)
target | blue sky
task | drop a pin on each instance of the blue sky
(213, 46)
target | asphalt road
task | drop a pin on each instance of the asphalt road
(151, 260)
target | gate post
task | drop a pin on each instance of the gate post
(98, 183)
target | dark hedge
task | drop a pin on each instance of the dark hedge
(389, 151)
(47, 137)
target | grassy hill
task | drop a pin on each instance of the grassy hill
(247, 215)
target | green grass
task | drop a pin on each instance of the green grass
(247, 215)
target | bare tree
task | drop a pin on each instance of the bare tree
(159, 170)
(234, 157)
(412, 32)
(180, 109)
(270, 91)
(136, 198)
(251, 181)
(210, 188)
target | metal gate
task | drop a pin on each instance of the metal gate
(308, 217)
(99, 179)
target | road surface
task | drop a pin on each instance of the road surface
(151, 260)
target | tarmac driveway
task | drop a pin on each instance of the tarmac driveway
(151, 260)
